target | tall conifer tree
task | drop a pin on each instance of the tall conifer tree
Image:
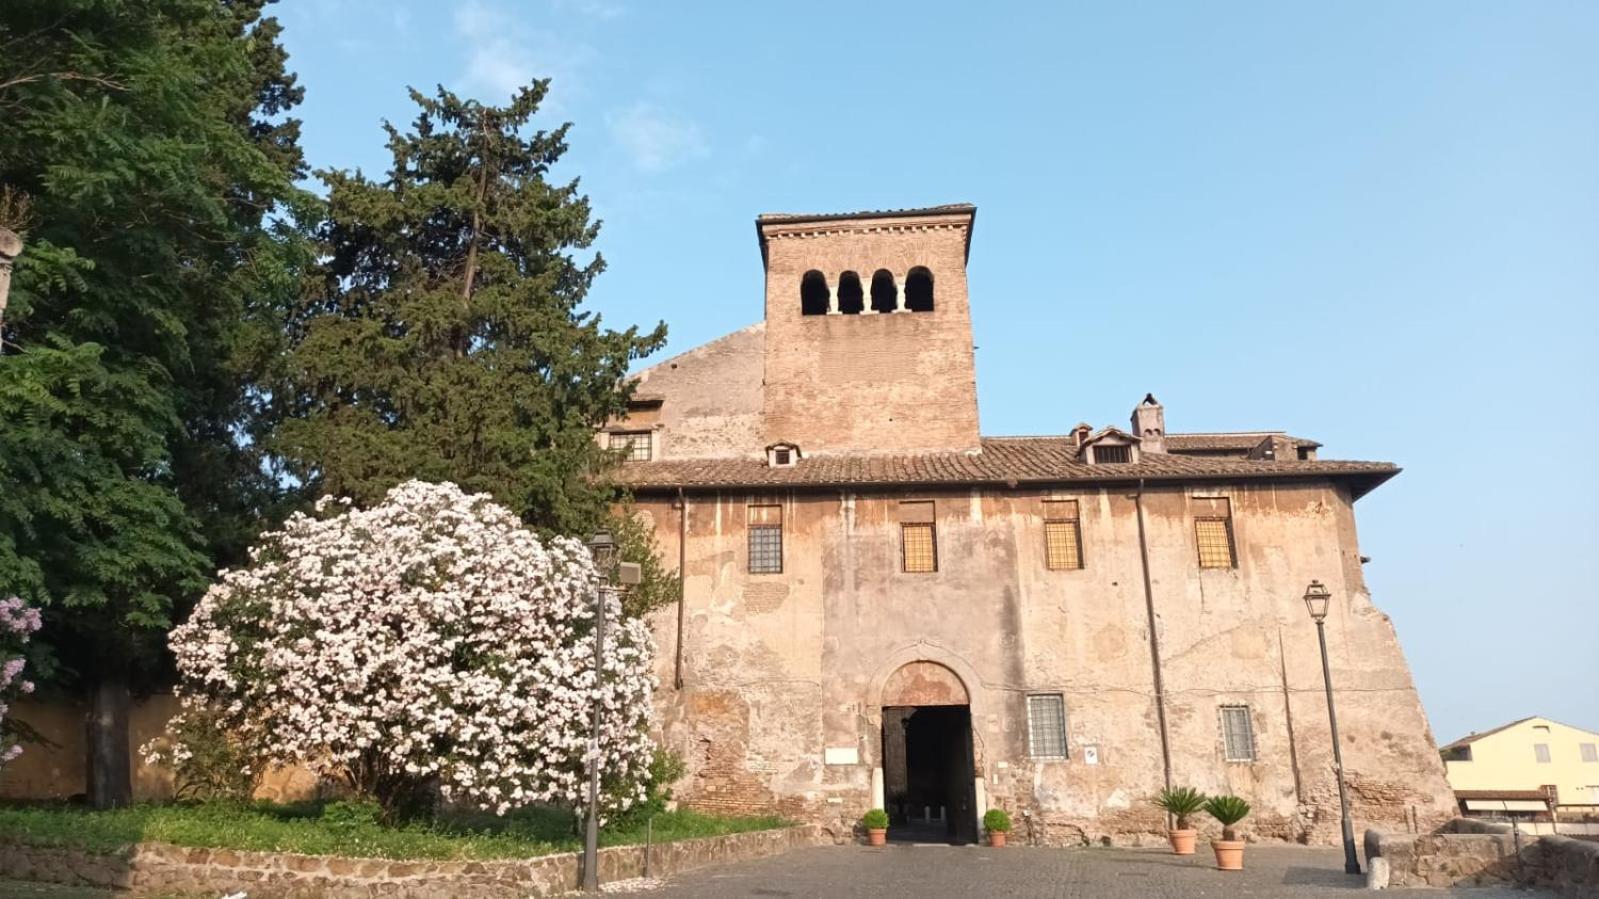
(144, 150)
(443, 339)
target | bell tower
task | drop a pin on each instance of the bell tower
(869, 331)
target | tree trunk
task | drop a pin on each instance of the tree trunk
(110, 767)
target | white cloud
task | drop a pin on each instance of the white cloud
(656, 139)
(504, 53)
(597, 9)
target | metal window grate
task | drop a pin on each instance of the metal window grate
(919, 544)
(1107, 454)
(1215, 537)
(766, 549)
(1046, 726)
(1238, 733)
(1590, 752)
(1062, 545)
(636, 443)
(1540, 751)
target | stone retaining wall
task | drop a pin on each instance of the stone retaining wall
(161, 867)
(1469, 852)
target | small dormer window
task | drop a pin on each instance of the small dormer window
(1106, 454)
(782, 455)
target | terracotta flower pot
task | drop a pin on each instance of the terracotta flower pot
(877, 836)
(1182, 841)
(1229, 854)
(996, 838)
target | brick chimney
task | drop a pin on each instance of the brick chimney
(1149, 425)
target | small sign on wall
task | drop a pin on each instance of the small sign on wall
(841, 755)
(1090, 754)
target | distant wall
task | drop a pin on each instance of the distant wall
(1470, 852)
(58, 769)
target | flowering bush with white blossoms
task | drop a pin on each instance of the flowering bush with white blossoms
(431, 639)
(18, 621)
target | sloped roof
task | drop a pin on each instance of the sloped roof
(1468, 740)
(776, 218)
(1238, 440)
(1002, 460)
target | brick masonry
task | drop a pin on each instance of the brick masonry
(160, 869)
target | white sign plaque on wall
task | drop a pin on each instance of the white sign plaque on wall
(1090, 754)
(841, 755)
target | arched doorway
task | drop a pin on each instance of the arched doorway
(928, 777)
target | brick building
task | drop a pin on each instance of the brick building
(883, 607)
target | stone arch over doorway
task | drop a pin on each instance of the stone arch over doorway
(936, 654)
(924, 683)
(926, 775)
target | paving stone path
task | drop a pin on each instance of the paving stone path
(836, 872)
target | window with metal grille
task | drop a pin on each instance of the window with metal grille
(1540, 751)
(765, 524)
(919, 544)
(636, 443)
(1063, 543)
(1238, 733)
(1106, 454)
(1590, 752)
(1214, 534)
(1046, 726)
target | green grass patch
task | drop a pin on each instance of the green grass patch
(303, 828)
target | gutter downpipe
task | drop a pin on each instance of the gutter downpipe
(682, 580)
(1154, 640)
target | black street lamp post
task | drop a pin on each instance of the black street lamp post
(1316, 600)
(603, 549)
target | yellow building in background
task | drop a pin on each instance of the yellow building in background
(1524, 768)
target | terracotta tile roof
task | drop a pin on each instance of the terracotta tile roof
(773, 218)
(1240, 440)
(1003, 460)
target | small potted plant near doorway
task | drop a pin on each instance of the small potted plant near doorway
(1181, 803)
(1229, 810)
(997, 823)
(876, 823)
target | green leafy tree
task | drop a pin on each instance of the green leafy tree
(148, 162)
(442, 337)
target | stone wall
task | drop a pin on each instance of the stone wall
(1470, 852)
(158, 868)
(781, 708)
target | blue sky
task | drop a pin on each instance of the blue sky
(1374, 224)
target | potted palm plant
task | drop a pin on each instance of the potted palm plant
(997, 823)
(876, 823)
(1181, 803)
(1229, 810)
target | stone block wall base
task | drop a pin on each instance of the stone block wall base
(159, 868)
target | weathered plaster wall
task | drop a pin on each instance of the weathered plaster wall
(781, 668)
(886, 382)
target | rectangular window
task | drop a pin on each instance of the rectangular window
(1063, 543)
(766, 539)
(1540, 751)
(919, 544)
(1046, 726)
(636, 443)
(1590, 752)
(1238, 734)
(1213, 530)
(1110, 455)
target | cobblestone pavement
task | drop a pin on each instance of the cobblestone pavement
(836, 872)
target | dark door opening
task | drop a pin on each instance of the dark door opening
(928, 777)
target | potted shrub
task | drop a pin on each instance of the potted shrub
(997, 823)
(1229, 810)
(876, 823)
(1181, 803)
